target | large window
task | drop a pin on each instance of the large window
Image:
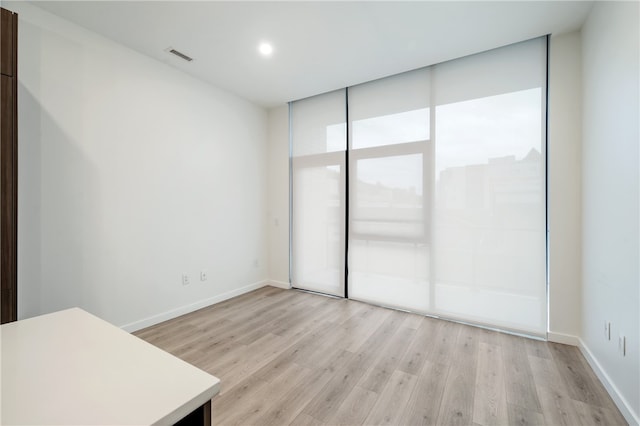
(318, 132)
(390, 191)
(443, 210)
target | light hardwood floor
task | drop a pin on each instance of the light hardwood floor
(288, 357)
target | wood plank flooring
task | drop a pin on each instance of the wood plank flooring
(289, 357)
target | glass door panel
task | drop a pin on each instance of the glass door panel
(318, 229)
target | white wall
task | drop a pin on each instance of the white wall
(130, 174)
(278, 184)
(610, 233)
(564, 187)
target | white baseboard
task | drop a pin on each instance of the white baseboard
(622, 404)
(279, 284)
(565, 339)
(630, 416)
(173, 313)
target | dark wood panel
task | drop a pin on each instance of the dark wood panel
(9, 303)
(8, 166)
(6, 184)
(6, 43)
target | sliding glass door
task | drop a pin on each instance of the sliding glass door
(318, 129)
(390, 191)
(434, 188)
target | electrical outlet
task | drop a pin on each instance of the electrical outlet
(607, 330)
(185, 279)
(203, 275)
(622, 345)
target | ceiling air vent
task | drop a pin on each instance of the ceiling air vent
(179, 54)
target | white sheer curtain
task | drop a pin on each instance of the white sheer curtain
(446, 185)
(318, 132)
(390, 191)
(488, 258)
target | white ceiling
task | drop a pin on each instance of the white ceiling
(319, 46)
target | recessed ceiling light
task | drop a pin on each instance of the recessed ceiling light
(265, 49)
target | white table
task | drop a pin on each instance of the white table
(72, 368)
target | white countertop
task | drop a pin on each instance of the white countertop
(71, 368)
